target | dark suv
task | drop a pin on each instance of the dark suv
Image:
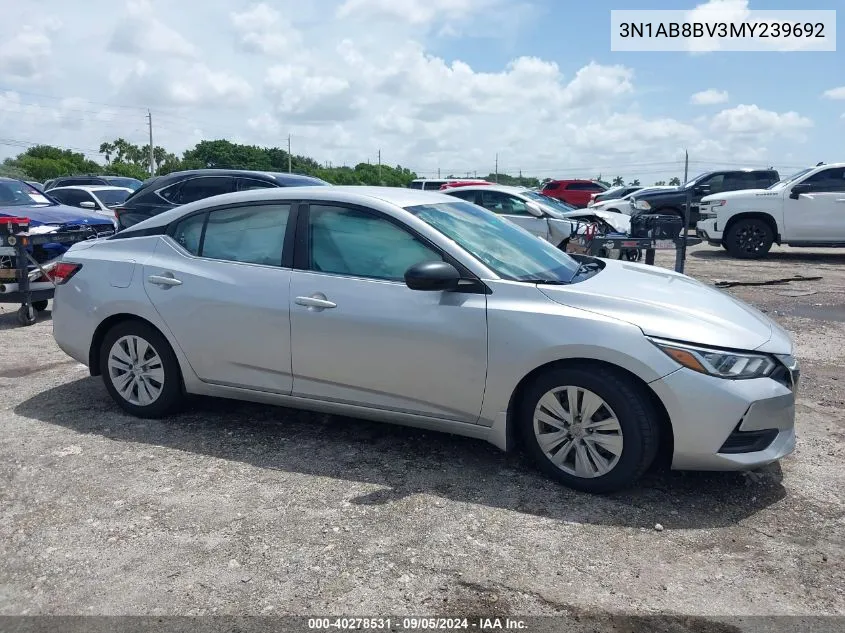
(159, 194)
(673, 201)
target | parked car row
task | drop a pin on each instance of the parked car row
(426, 309)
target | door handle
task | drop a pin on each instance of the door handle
(162, 280)
(319, 303)
(840, 199)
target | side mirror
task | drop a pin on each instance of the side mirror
(702, 189)
(534, 209)
(798, 189)
(87, 204)
(432, 276)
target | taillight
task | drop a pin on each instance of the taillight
(63, 272)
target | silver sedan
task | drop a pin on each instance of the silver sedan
(417, 308)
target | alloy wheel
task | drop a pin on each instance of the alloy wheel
(136, 370)
(751, 238)
(578, 431)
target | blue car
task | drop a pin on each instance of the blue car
(21, 200)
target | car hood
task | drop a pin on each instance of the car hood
(656, 194)
(669, 305)
(54, 214)
(742, 193)
(618, 221)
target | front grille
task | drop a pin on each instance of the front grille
(748, 441)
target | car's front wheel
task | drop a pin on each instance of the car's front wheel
(593, 429)
(140, 370)
(749, 238)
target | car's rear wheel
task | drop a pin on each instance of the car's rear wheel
(592, 429)
(140, 370)
(749, 238)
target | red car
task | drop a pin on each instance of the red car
(463, 183)
(576, 193)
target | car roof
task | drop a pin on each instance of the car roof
(92, 188)
(493, 187)
(351, 194)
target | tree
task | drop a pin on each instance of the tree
(619, 181)
(675, 182)
(635, 183)
(43, 162)
(660, 183)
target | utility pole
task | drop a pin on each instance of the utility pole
(379, 167)
(438, 172)
(686, 165)
(497, 168)
(152, 160)
(289, 168)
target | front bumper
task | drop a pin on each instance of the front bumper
(706, 230)
(721, 424)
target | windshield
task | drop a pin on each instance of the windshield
(14, 193)
(792, 178)
(112, 197)
(131, 183)
(547, 201)
(509, 251)
(690, 183)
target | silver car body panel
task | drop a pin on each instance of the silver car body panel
(441, 361)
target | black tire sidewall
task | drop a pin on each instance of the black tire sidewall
(633, 410)
(172, 393)
(731, 237)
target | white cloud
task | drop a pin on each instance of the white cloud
(709, 97)
(192, 84)
(377, 78)
(262, 29)
(751, 120)
(141, 33)
(835, 93)
(25, 54)
(417, 12)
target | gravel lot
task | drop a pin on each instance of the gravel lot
(235, 508)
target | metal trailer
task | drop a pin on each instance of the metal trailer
(20, 272)
(598, 244)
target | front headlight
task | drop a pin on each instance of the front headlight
(642, 205)
(719, 363)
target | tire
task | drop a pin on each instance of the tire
(26, 315)
(632, 442)
(40, 306)
(163, 378)
(749, 238)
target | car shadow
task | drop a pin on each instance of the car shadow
(407, 461)
(808, 257)
(9, 317)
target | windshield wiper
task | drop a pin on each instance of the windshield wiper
(549, 282)
(584, 267)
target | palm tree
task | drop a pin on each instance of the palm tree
(635, 183)
(107, 149)
(675, 182)
(619, 181)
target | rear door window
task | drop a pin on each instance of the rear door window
(202, 188)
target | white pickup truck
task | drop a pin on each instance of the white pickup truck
(806, 209)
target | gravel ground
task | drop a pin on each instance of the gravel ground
(235, 508)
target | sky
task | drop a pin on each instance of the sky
(455, 86)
